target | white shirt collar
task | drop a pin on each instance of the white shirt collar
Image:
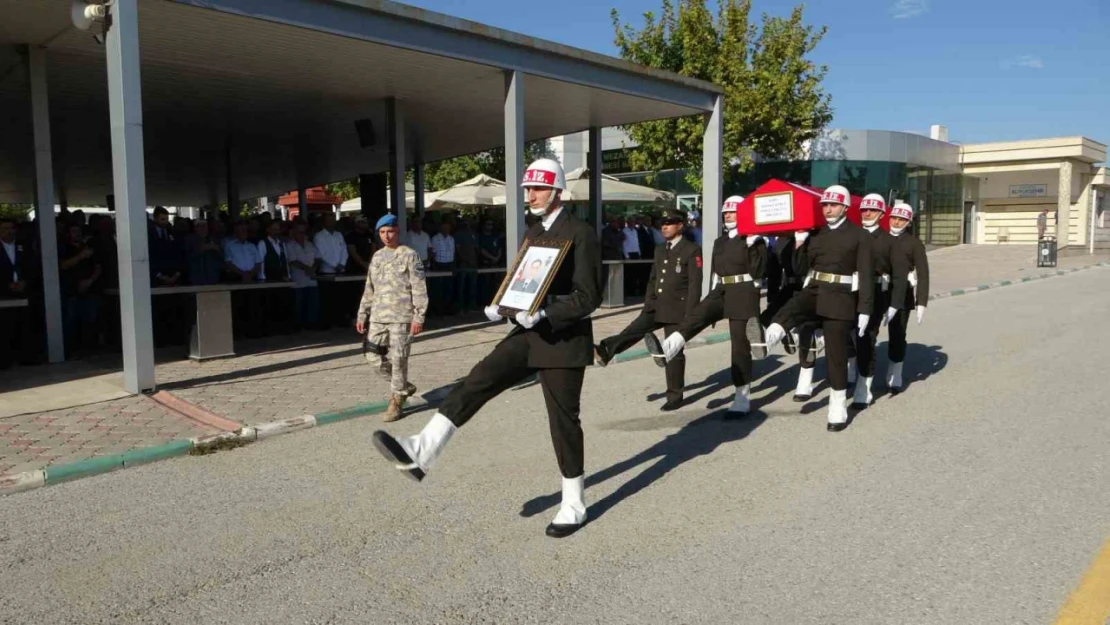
(550, 218)
(838, 223)
(733, 232)
(675, 241)
(872, 228)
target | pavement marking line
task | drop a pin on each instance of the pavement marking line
(1089, 603)
(194, 412)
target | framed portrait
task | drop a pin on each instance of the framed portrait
(530, 276)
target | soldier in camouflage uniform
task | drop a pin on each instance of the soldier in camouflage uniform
(392, 312)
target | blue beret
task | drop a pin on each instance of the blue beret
(386, 221)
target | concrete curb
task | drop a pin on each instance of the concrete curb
(30, 480)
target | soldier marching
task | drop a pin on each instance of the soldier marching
(739, 263)
(910, 269)
(674, 289)
(872, 209)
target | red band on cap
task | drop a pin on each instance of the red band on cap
(731, 207)
(539, 176)
(834, 197)
(871, 205)
(902, 213)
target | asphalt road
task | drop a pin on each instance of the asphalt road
(978, 496)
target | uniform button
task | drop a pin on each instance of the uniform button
(660, 290)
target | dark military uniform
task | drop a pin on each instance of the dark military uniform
(828, 298)
(558, 348)
(907, 255)
(787, 267)
(881, 246)
(673, 290)
(740, 269)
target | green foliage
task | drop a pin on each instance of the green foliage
(345, 189)
(450, 172)
(18, 212)
(774, 101)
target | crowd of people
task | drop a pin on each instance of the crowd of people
(306, 254)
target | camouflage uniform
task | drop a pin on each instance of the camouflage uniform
(395, 296)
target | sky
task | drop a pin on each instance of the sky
(988, 70)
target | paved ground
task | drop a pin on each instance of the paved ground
(310, 374)
(978, 496)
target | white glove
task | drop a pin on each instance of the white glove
(801, 236)
(920, 314)
(672, 345)
(752, 239)
(890, 313)
(774, 334)
(863, 321)
(912, 277)
(491, 313)
(529, 321)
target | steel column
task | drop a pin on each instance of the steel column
(396, 120)
(129, 183)
(711, 188)
(514, 163)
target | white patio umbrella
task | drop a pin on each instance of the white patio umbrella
(613, 191)
(354, 205)
(479, 191)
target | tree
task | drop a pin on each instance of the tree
(450, 172)
(774, 101)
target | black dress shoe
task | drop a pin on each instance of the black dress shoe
(857, 406)
(895, 391)
(388, 447)
(672, 404)
(836, 427)
(788, 344)
(655, 348)
(801, 399)
(562, 531)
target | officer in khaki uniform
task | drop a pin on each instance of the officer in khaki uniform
(392, 311)
(674, 288)
(739, 264)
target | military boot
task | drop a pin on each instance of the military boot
(396, 407)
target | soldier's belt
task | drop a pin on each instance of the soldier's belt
(739, 279)
(831, 278)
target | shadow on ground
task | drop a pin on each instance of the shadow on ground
(699, 435)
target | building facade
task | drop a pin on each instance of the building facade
(986, 193)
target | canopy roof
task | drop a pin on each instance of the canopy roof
(282, 84)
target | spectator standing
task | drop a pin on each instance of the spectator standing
(612, 241)
(656, 232)
(206, 257)
(243, 264)
(392, 311)
(359, 248)
(302, 270)
(331, 248)
(466, 271)
(79, 271)
(632, 282)
(278, 302)
(647, 239)
(167, 265)
(17, 334)
(418, 240)
(491, 254)
(443, 259)
(103, 243)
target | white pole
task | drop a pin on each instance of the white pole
(1093, 209)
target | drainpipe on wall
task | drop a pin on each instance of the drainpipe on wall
(1093, 209)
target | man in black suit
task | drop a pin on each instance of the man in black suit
(673, 290)
(15, 326)
(528, 282)
(739, 264)
(555, 343)
(837, 291)
(167, 268)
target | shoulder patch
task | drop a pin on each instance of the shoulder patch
(697, 260)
